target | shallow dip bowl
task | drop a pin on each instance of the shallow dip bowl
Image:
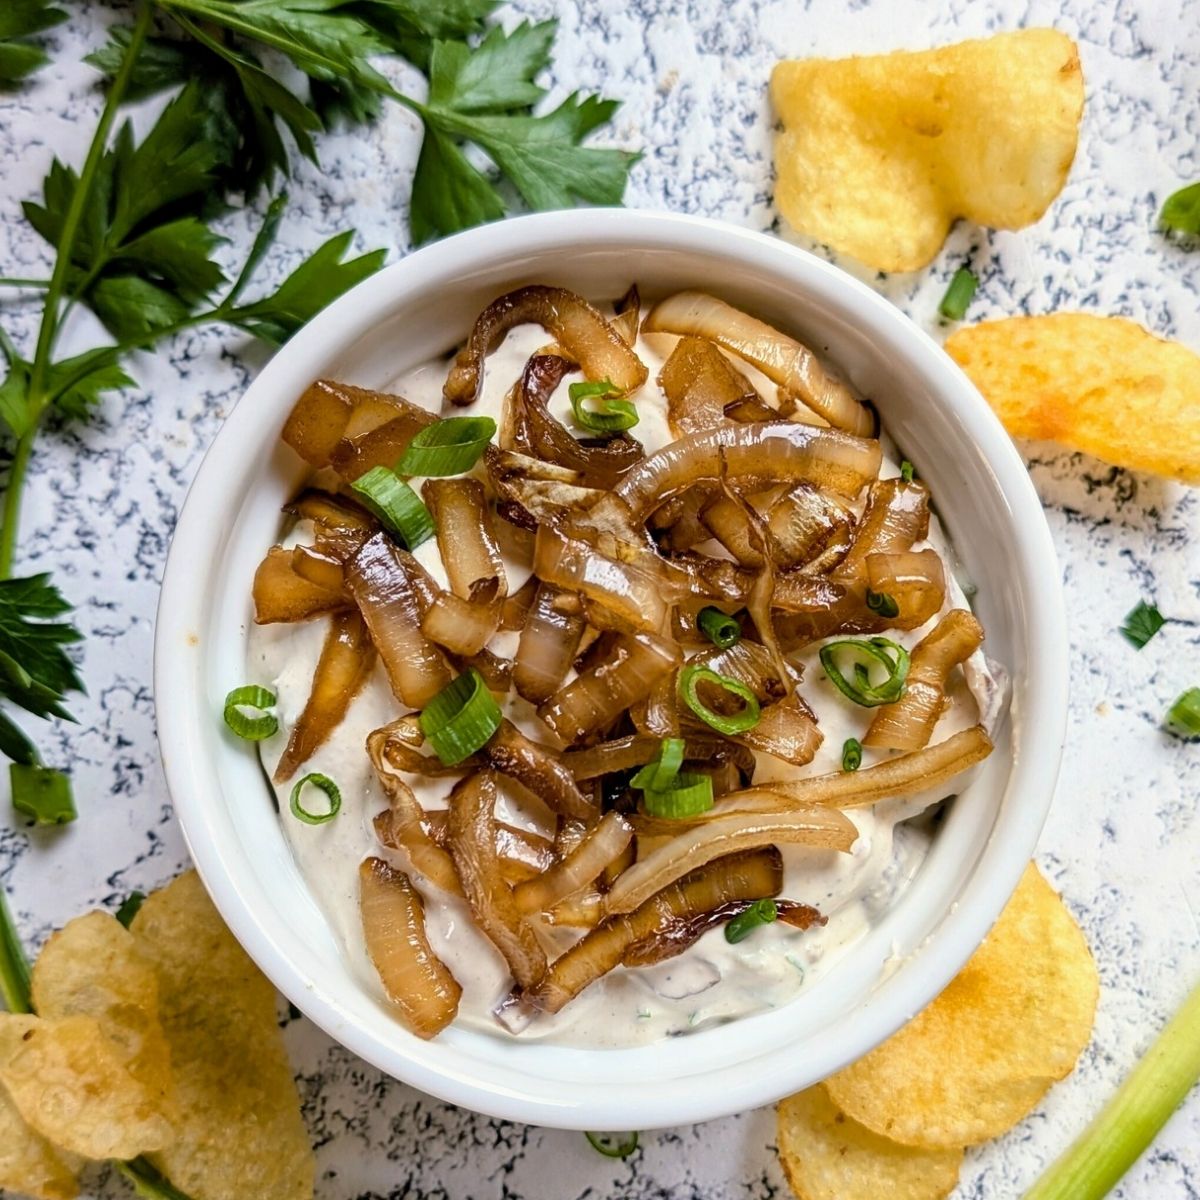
(423, 306)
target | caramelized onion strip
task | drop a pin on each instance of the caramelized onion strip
(464, 627)
(549, 642)
(915, 580)
(897, 515)
(523, 853)
(282, 595)
(699, 383)
(540, 770)
(603, 844)
(465, 537)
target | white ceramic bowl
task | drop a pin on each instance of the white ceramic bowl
(423, 306)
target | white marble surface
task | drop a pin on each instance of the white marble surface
(1123, 837)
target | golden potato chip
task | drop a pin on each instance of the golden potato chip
(70, 1084)
(979, 1058)
(29, 1164)
(1103, 385)
(239, 1131)
(827, 1156)
(880, 154)
(93, 967)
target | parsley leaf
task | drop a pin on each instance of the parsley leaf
(316, 282)
(496, 75)
(1141, 624)
(1181, 211)
(74, 384)
(35, 672)
(20, 20)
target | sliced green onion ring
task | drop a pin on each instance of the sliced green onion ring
(42, 793)
(461, 718)
(614, 1145)
(851, 754)
(449, 447)
(761, 912)
(659, 774)
(688, 796)
(396, 505)
(325, 784)
(958, 295)
(612, 413)
(253, 727)
(720, 628)
(693, 675)
(1183, 717)
(129, 908)
(879, 652)
(883, 604)
(907, 471)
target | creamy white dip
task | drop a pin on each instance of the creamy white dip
(713, 980)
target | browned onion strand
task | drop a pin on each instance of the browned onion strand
(465, 537)
(804, 522)
(539, 769)
(496, 671)
(465, 627)
(628, 309)
(282, 595)
(549, 642)
(698, 846)
(399, 746)
(635, 750)
(387, 589)
(597, 697)
(328, 511)
(908, 724)
(344, 666)
(523, 853)
(726, 520)
(897, 515)
(314, 566)
(517, 607)
(799, 916)
(576, 325)
(381, 446)
(752, 876)
(418, 984)
(699, 383)
(473, 848)
(319, 418)
(678, 521)
(532, 492)
(915, 579)
(782, 359)
(603, 844)
(788, 730)
(773, 452)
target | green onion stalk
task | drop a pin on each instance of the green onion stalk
(1128, 1123)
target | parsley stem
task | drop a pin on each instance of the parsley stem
(12, 500)
(14, 966)
(9, 281)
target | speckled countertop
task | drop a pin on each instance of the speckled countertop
(1122, 841)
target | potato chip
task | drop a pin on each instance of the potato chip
(979, 1058)
(827, 1156)
(28, 1163)
(880, 154)
(70, 1084)
(93, 967)
(239, 1132)
(1103, 385)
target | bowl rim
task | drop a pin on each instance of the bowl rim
(1034, 770)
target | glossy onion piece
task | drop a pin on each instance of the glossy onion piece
(344, 666)
(602, 845)
(419, 985)
(726, 520)
(523, 853)
(599, 695)
(909, 723)
(738, 831)
(788, 730)
(540, 491)
(809, 607)
(628, 309)
(897, 515)
(805, 522)
(537, 433)
(386, 587)
(465, 537)
(782, 359)
(622, 754)
(280, 594)
(465, 627)
(678, 521)
(540, 770)
(472, 838)
(399, 747)
(517, 607)
(327, 511)
(581, 331)
(915, 579)
(496, 671)
(402, 825)
(699, 383)
(309, 563)
(773, 452)
(382, 445)
(329, 415)
(754, 876)
(549, 642)
(634, 595)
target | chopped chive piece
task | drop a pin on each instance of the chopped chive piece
(613, 1145)
(448, 447)
(907, 471)
(883, 604)
(612, 414)
(958, 295)
(693, 675)
(879, 652)
(461, 718)
(331, 790)
(1181, 211)
(148, 1181)
(660, 772)
(720, 628)
(1183, 717)
(256, 724)
(42, 793)
(396, 505)
(761, 912)
(851, 754)
(129, 908)
(1141, 623)
(688, 796)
